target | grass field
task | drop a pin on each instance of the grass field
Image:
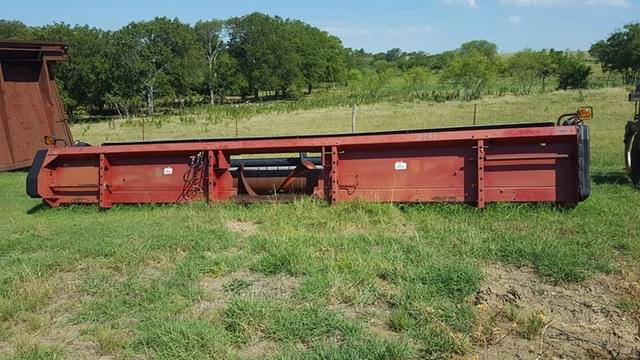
(306, 280)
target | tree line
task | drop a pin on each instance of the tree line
(258, 56)
(476, 64)
(165, 58)
(620, 53)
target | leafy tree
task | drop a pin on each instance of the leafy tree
(483, 47)
(357, 58)
(472, 70)
(546, 66)
(336, 63)
(620, 52)
(414, 59)
(381, 66)
(157, 57)
(266, 54)
(523, 65)
(86, 78)
(393, 55)
(230, 80)
(13, 30)
(282, 55)
(209, 38)
(527, 66)
(573, 73)
(441, 61)
(321, 55)
(416, 79)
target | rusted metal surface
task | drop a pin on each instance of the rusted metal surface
(30, 106)
(510, 163)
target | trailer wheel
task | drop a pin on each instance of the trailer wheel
(632, 157)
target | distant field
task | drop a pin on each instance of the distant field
(306, 280)
(609, 104)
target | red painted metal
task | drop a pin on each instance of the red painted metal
(514, 163)
(30, 106)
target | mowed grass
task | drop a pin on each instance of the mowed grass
(302, 279)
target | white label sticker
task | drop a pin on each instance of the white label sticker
(401, 165)
(168, 170)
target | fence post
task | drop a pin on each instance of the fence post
(475, 112)
(353, 118)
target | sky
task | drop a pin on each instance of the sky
(412, 25)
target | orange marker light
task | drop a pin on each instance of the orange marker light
(585, 113)
(49, 140)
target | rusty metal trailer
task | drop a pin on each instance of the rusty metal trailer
(30, 106)
(540, 162)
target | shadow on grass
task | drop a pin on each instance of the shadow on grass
(462, 207)
(610, 178)
(37, 209)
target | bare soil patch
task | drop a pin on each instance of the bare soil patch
(219, 290)
(520, 316)
(259, 349)
(242, 228)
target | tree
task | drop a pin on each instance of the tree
(485, 48)
(573, 73)
(13, 30)
(441, 61)
(416, 79)
(393, 55)
(230, 80)
(336, 63)
(527, 66)
(209, 37)
(283, 55)
(321, 55)
(472, 70)
(357, 58)
(157, 57)
(523, 66)
(85, 78)
(414, 59)
(546, 66)
(264, 49)
(620, 52)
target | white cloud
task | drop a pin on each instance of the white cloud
(469, 3)
(609, 2)
(418, 29)
(534, 2)
(565, 2)
(544, 3)
(514, 20)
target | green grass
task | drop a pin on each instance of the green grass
(531, 325)
(370, 281)
(29, 351)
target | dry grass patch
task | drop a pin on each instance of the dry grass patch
(521, 316)
(218, 291)
(45, 329)
(242, 228)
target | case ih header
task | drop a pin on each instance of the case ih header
(541, 162)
